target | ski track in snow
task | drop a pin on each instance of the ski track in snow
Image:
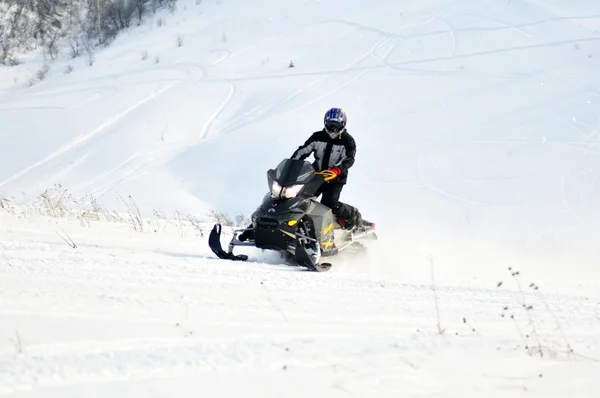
(555, 43)
(510, 26)
(88, 135)
(316, 85)
(278, 106)
(94, 132)
(151, 156)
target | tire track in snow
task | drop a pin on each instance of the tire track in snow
(441, 16)
(274, 105)
(452, 33)
(88, 135)
(267, 107)
(151, 156)
(510, 26)
(346, 83)
(94, 132)
(147, 157)
(205, 131)
(253, 114)
(226, 54)
(447, 194)
(501, 50)
(371, 53)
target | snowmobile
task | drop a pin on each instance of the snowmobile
(291, 221)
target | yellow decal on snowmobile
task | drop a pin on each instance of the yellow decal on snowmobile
(291, 223)
(327, 244)
(328, 228)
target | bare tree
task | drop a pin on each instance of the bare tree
(81, 24)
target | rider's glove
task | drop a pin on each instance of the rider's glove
(336, 170)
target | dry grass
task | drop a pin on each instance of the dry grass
(58, 203)
(5, 204)
(536, 323)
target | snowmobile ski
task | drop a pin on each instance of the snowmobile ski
(214, 241)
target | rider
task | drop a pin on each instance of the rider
(334, 150)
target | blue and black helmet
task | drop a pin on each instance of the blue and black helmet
(335, 121)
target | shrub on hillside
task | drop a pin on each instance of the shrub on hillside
(26, 25)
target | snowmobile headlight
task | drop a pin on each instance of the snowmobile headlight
(275, 190)
(292, 191)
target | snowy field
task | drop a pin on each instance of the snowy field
(477, 124)
(152, 314)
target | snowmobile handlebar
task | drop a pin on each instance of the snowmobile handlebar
(328, 175)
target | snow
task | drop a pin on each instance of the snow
(477, 126)
(132, 313)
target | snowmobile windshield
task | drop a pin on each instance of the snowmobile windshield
(292, 172)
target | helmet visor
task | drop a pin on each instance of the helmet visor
(334, 128)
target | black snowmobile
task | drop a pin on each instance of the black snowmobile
(292, 221)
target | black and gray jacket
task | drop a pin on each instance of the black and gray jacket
(329, 152)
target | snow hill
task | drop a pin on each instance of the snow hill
(477, 126)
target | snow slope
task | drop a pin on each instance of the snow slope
(477, 126)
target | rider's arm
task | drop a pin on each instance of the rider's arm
(306, 149)
(348, 160)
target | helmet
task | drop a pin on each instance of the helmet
(335, 121)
